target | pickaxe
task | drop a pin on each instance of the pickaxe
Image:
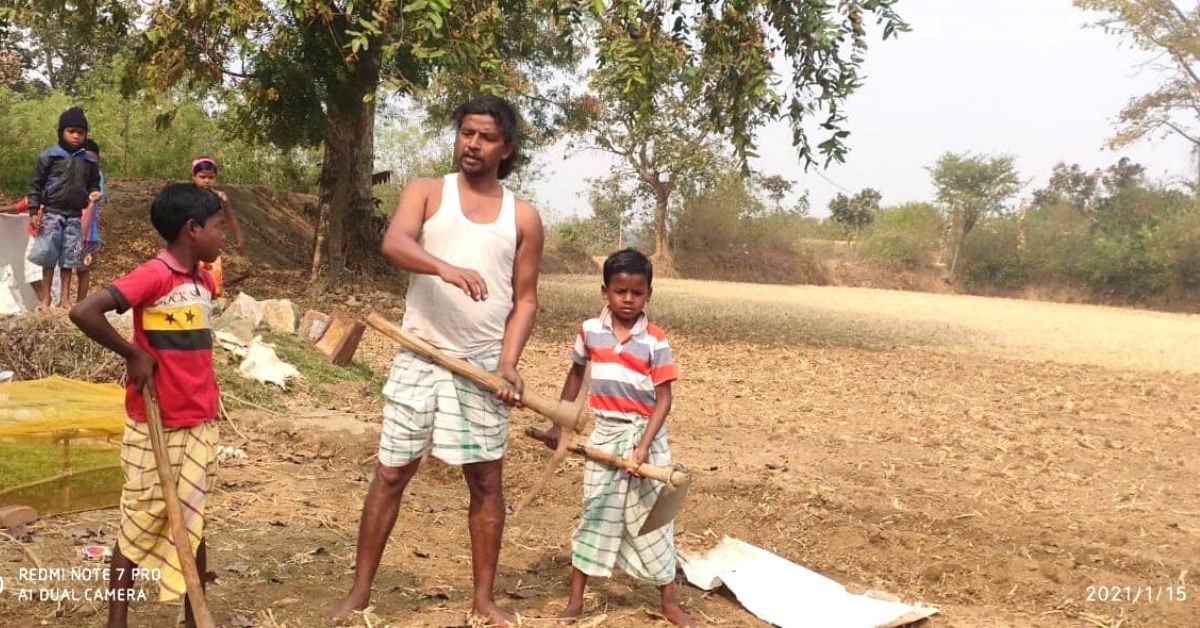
(676, 480)
(573, 417)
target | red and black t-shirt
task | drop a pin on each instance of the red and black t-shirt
(172, 315)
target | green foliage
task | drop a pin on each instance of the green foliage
(730, 214)
(905, 237)
(139, 139)
(55, 45)
(971, 187)
(581, 238)
(1110, 231)
(991, 255)
(1128, 266)
(710, 218)
(854, 213)
(1179, 241)
(1069, 184)
(1058, 237)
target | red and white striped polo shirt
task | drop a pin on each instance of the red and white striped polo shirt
(624, 374)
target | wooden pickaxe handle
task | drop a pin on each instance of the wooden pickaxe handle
(668, 475)
(564, 415)
(170, 491)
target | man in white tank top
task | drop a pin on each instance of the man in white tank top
(473, 251)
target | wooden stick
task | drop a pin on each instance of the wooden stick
(668, 475)
(570, 416)
(170, 491)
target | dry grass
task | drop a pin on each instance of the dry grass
(41, 346)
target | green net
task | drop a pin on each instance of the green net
(60, 444)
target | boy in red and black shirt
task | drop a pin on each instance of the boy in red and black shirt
(171, 299)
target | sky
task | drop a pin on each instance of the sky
(1027, 78)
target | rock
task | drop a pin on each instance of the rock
(239, 326)
(16, 516)
(280, 315)
(244, 306)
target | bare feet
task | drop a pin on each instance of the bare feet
(494, 615)
(570, 614)
(676, 615)
(341, 613)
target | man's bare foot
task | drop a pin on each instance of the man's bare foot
(570, 615)
(676, 615)
(341, 613)
(494, 615)
(42, 308)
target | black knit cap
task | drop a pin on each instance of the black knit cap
(72, 117)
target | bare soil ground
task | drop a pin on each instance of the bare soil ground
(994, 458)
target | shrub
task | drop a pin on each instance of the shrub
(1128, 266)
(1057, 241)
(904, 237)
(991, 256)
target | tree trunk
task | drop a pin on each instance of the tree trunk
(353, 229)
(962, 236)
(663, 257)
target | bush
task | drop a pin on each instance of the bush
(904, 237)
(1179, 241)
(1057, 241)
(142, 140)
(580, 238)
(991, 256)
(1128, 266)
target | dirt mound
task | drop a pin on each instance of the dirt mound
(557, 262)
(276, 226)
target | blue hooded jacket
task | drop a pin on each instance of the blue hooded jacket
(62, 180)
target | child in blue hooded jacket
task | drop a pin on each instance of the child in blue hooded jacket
(65, 180)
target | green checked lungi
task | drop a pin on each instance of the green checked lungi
(615, 505)
(429, 409)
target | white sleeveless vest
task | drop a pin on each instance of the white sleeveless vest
(442, 313)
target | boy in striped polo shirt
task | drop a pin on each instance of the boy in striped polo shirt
(632, 371)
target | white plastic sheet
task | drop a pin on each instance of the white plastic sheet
(783, 593)
(16, 297)
(259, 360)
